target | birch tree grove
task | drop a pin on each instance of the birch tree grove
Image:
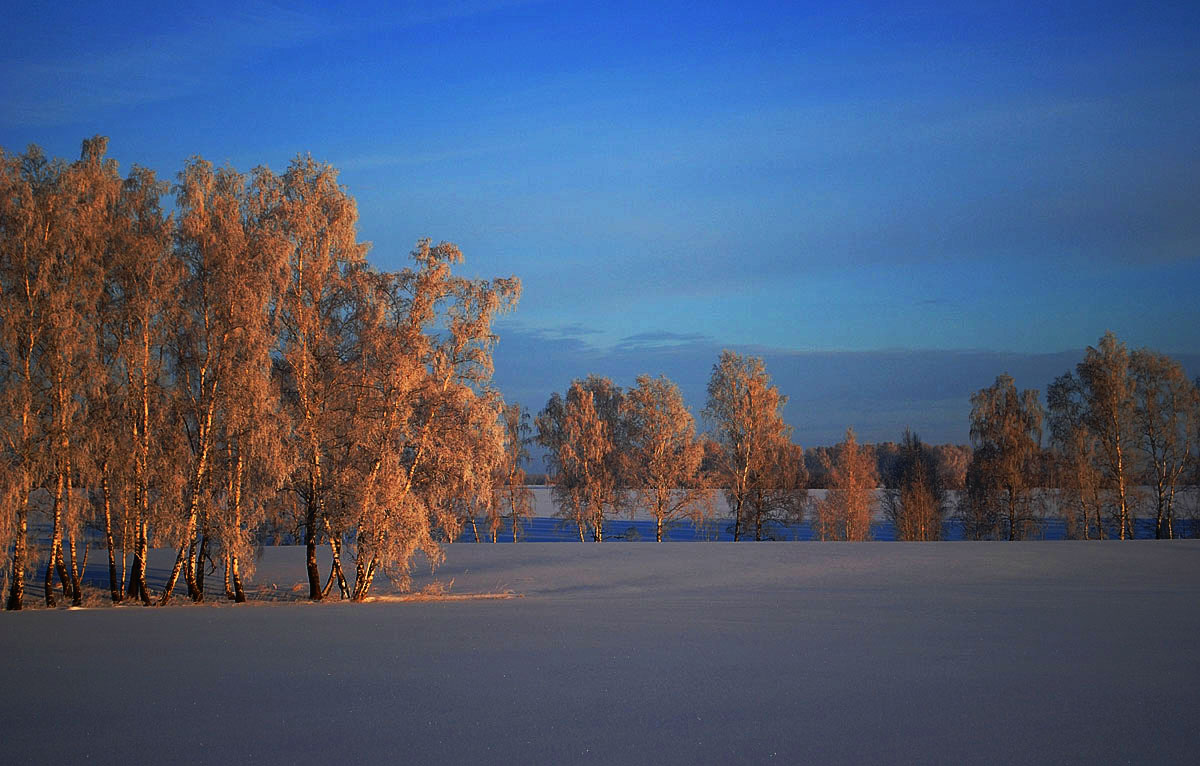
(247, 360)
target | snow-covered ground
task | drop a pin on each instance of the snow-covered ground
(675, 653)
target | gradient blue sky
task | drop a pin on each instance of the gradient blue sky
(866, 183)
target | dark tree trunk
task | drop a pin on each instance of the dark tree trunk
(1158, 521)
(187, 546)
(76, 571)
(228, 589)
(737, 520)
(73, 572)
(201, 566)
(169, 588)
(49, 582)
(16, 593)
(1012, 517)
(137, 570)
(189, 568)
(310, 552)
(114, 586)
(239, 595)
(55, 543)
(132, 585)
(335, 569)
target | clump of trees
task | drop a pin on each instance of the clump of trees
(914, 500)
(612, 451)
(1006, 428)
(1117, 421)
(179, 378)
(845, 512)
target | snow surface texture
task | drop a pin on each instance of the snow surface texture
(676, 653)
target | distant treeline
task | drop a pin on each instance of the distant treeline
(233, 369)
(1117, 438)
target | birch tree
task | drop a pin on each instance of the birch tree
(141, 299)
(1081, 486)
(664, 454)
(568, 500)
(746, 413)
(583, 482)
(511, 499)
(584, 436)
(845, 512)
(436, 431)
(1006, 428)
(1165, 415)
(248, 452)
(317, 218)
(27, 204)
(913, 499)
(1108, 388)
(779, 484)
(77, 237)
(235, 269)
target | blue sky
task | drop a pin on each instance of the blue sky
(878, 181)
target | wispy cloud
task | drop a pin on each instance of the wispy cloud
(662, 338)
(81, 83)
(560, 331)
(572, 330)
(199, 53)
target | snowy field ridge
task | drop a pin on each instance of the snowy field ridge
(832, 652)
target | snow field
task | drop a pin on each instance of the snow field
(702, 653)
